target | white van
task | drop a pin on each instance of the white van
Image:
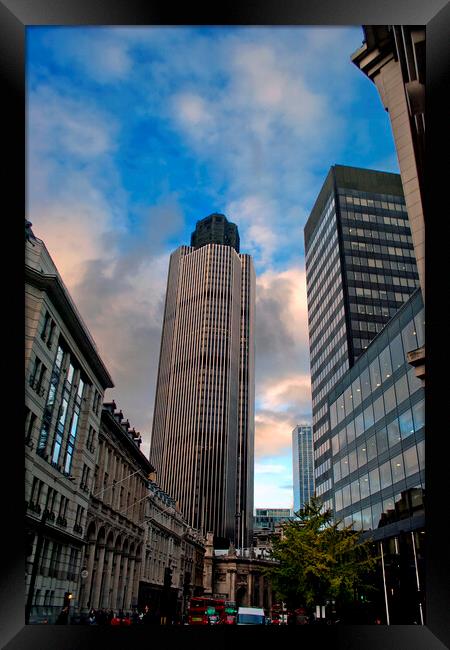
(250, 616)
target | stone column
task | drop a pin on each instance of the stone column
(129, 582)
(88, 581)
(108, 576)
(115, 588)
(250, 589)
(232, 592)
(261, 590)
(137, 575)
(98, 576)
(123, 583)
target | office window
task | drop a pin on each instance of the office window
(398, 471)
(362, 455)
(378, 408)
(411, 461)
(389, 399)
(375, 374)
(368, 417)
(401, 389)
(406, 424)
(385, 363)
(418, 411)
(351, 431)
(385, 475)
(397, 353)
(377, 509)
(393, 430)
(374, 481)
(364, 486)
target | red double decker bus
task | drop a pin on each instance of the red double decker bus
(202, 609)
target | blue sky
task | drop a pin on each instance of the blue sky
(135, 133)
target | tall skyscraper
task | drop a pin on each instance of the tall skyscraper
(302, 464)
(360, 269)
(203, 426)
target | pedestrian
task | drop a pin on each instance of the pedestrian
(92, 620)
(63, 617)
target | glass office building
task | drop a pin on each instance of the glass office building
(377, 431)
(360, 269)
(302, 465)
(376, 482)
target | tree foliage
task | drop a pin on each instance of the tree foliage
(319, 560)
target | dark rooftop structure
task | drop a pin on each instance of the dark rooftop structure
(215, 229)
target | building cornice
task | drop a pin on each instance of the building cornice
(58, 294)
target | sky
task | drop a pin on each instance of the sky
(136, 133)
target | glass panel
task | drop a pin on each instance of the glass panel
(362, 455)
(344, 467)
(389, 399)
(364, 486)
(348, 401)
(70, 373)
(346, 496)
(377, 509)
(374, 480)
(366, 516)
(365, 384)
(398, 472)
(342, 438)
(338, 500)
(375, 374)
(333, 416)
(356, 392)
(401, 389)
(340, 408)
(354, 490)
(335, 444)
(359, 424)
(389, 510)
(378, 408)
(371, 448)
(417, 498)
(337, 471)
(402, 505)
(382, 442)
(356, 517)
(409, 337)
(385, 364)
(385, 475)
(350, 431)
(411, 461)
(393, 430)
(413, 382)
(368, 417)
(418, 411)
(352, 461)
(421, 454)
(419, 323)
(406, 424)
(397, 354)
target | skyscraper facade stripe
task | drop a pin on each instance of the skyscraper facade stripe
(202, 440)
(303, 465)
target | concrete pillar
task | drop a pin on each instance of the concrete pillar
(98, 576)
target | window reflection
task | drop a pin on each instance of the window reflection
(351, 431)
(371, 448)
(375, 375)
(374, 481)
(397, 354)
(362, 455)
(385, 364)
(393, 430)
(356, 392)
(368, 417)
(364, 486)
(418, 411)
(409, 337)
(411, 461)
(406, 424)
(398, 472)
(385, 475)
(365, 384)
(382, 442)
(401, 389)
(389, 399)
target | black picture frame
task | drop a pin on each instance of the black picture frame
(15, 17)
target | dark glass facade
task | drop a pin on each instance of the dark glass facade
(360, 269)
(303, 465)
(215, 229)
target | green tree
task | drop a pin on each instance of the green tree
(320, 560)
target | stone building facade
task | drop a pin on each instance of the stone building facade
(237, 577)
(173, 567)
(115, 527)
(65, 383)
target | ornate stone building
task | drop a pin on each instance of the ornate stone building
(65, 383)
(237, 577)
(115, 527)
(173, 568)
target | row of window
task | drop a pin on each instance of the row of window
(380, 263)
(329, 253)
(380, 218)
(378, 278)
(327, 218)
(381, 235)
(403, 465)
(324, 310)
(394, 203)
(370, 247)
(54, 504)
(331, 283)
(385, 511)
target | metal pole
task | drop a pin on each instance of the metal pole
(384, 584)
(417, 577)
